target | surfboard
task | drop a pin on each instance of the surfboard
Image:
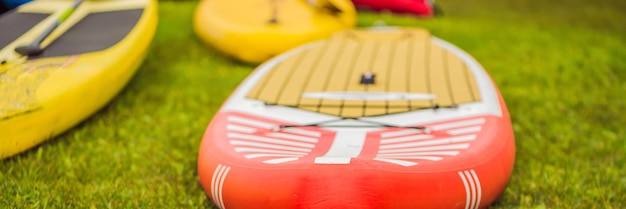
(255, 30)
(379, 118)
(422, 8)
(85, 62)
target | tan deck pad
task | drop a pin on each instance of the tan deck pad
(410, 73)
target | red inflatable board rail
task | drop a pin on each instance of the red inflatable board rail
(424, 8)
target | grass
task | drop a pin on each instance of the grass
(561, 66)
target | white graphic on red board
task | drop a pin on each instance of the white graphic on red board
(272, 142)
(217, 184)
(473, 190)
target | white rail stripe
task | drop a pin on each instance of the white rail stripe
(280, 160)
(255, 123)
(251, 156)
(405, 139)
(221, 187)
(467, 130)
(217, 183)
(238, 128)
(467, 190)
(214, 184)
(431, 148)
(399, 133)
(431, 158)
(303, 132)
(448, 153)
(270, 146)
(292, 137)
(458, 124)
(449, 140)
(267, 151)
(478, 189)
(397, 162)
(268, 140)
(217, 186)
(472, 188)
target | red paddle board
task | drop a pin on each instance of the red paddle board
(387, 118)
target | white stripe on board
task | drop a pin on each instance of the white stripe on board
(268, 151)
(473, 192)
(448, 140)
(348, 143)
(397, 162)
(467, 190)
(405, 139)
(217, 184)
(254, 123)
(269, 146)
(467, 130)
(400, 133)
(458, 124)
(430, 148)
(237, 128)
(478, 189)
(392, 155)
(472, 188)
(280, 160)
(415, 157)
(251, 156)
(292, 137)
(221, 187)
(303, 132)
(217, 171)
(268, 140)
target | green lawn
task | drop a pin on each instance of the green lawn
(560, 65)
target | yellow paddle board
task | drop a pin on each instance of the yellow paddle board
(85, 62)
(256, 30)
